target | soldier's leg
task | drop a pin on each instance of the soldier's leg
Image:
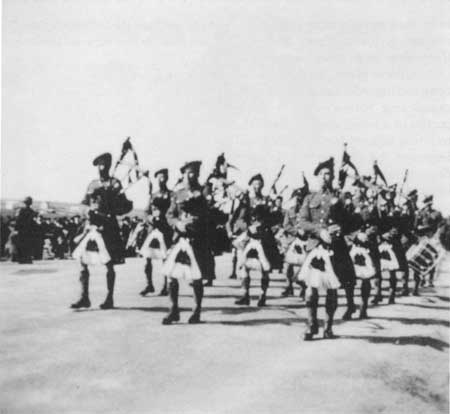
(149, 276)
(405, 290)
(233, 264)
(289, 291)
(302, 289)
(378, 280)
(211, 273)
(416, 282)
(312, 301)
(366, 287)
(331, 303)
(110, 281)
(174, 312)
(164, 291)
(264, 286)
(245, 299)
(197, 286)
(392, 285)
(349, 295)
(84, 301)
(431, 277)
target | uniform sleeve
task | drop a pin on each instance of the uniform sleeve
(172, 212)
(305, 220)
(289, 223)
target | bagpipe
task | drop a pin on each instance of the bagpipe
(91, 248)
(128, 164)
(317, 270)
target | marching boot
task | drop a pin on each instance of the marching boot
(431, 279)
(312, 301)
(174, 313)
(378, 295)
(302, 290)
(392, 287)
(416, 284)
(331, 303)
(405, 290)
(110, 279)
(198, 296)
(365, 294)
(264, 287)
(148, 274)
(349, 294)
(164, 291)
(289, 291)
(245, 299)
(84, 301)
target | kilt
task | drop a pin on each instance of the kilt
(317, 270)
(342, 263)
(362, 262)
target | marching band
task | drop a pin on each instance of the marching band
(329, 239)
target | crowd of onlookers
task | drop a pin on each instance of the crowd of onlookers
(52, 237)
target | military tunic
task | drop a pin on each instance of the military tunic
(318, 211)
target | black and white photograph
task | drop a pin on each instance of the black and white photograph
(225, 207)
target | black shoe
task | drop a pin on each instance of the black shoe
(308, 336)
(148, 289)
(348, 314)
(289, 291)
(416, 292)
(164, 292)
(107, 304)
(430, 284)
(82, 303)
(377, 299)
(262, 301)
(208, 283)
(173, 316)
(302, 294)
(363, 314)
(245, 300)
(405, 292)
(194, 318)
(233, 276)
(391, 300)
(328, 334)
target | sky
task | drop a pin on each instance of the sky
(268, 83)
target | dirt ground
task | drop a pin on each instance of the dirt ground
(240, 360)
